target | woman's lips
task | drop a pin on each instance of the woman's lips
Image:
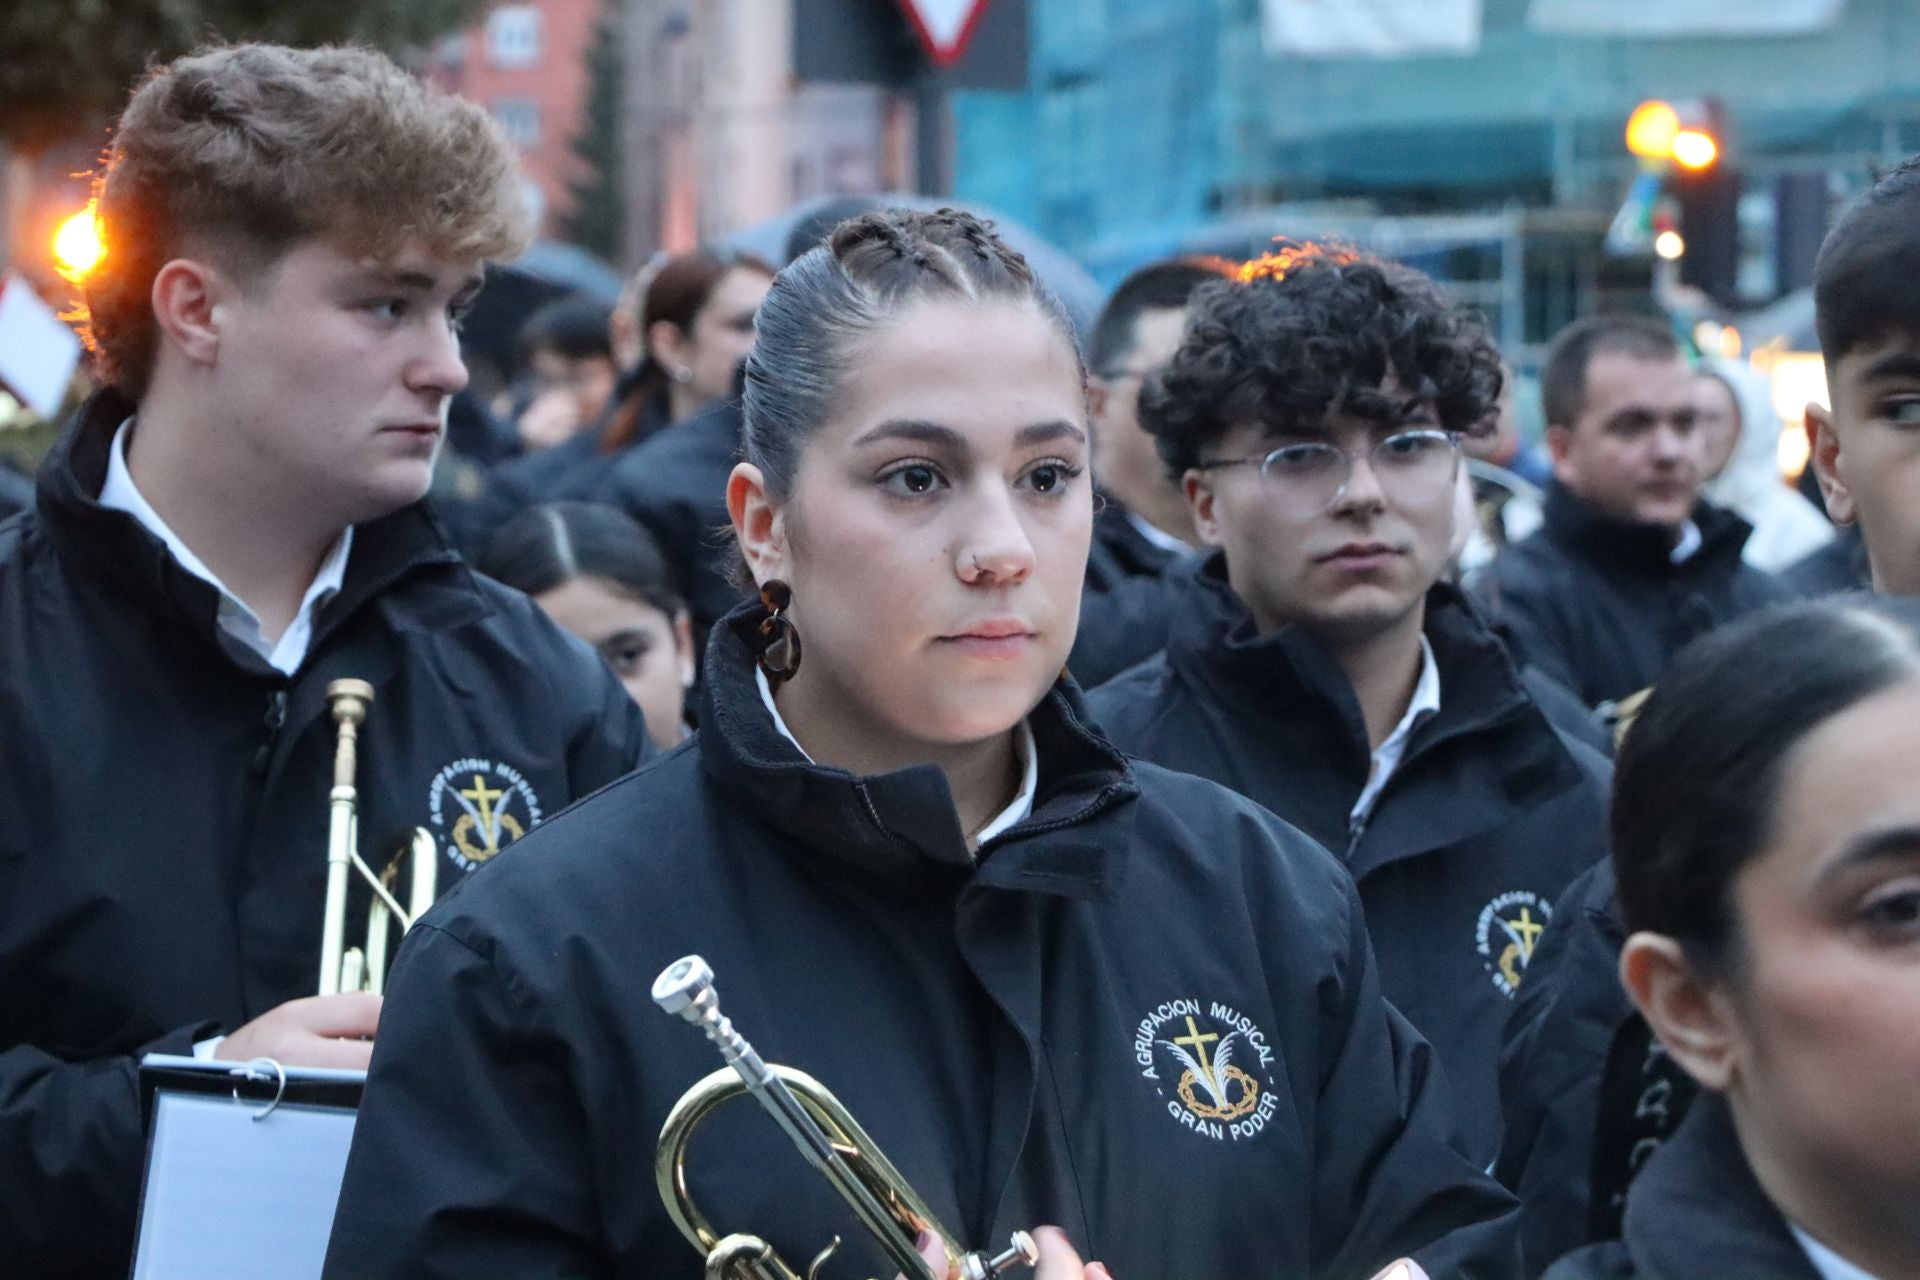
(996, 639)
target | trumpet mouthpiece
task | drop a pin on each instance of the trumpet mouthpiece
(681, 984)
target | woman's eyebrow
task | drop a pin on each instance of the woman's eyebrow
(1889, 844)
(1044, 432)
(928, 433)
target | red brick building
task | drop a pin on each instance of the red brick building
(526, 63)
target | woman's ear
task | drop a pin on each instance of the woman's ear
(669, 346)
(758, 524)
(1689, 1014)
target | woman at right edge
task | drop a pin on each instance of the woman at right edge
(1055, 986)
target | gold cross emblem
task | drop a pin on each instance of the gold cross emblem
(1525, 931)
(1199, 1043)
(484, 796)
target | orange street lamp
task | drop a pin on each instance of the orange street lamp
(77, 247)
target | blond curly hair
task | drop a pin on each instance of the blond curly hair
(239, 153)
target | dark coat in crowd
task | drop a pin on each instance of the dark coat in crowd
(1696, 1211)
(1490, 815)
(1147, 1012)
(1599, 604)
(16, 491)
(1120, 551)
(1587, 1090)
(576, 469)
(676, 486)
(1132, 592)
(1839, 566)
(163, 852)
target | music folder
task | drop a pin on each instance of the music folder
(244, 1164)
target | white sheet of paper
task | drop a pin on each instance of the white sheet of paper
(38, 353)
(232, 1198)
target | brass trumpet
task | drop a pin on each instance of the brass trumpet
(358, 968)
(827, 1135)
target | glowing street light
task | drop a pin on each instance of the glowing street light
(1669, 245)
(1695, 149)
(1651, 130)
(77, 247)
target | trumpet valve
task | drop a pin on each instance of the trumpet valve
(1021, 1251)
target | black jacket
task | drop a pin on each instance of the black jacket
(1599, 604)
(1696, 1213)
(576, 469)
(1587, 1091)
(1133, 591)
(163, 849)
(1491, 813)
(1120, 551)
(1841, 565)
(1002, 1028)
(16, 491)
(676, 485)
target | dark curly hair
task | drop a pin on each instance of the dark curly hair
(1310, 329)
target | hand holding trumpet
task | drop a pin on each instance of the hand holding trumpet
(1058, 1261)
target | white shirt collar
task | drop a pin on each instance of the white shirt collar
(1829, 1264)
(1387, 756)
(1023, 746)
(1157, 536)
(1688, 543)
(235, 618)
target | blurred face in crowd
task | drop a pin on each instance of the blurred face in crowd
(1716, 419)
(1814, 1033)
(333, 373)
(1343, 560)
(585, 381)
(649, 651)
(1634, 452)
(1125, 456)
(720, 338)
(936, 534)
(1866, 452)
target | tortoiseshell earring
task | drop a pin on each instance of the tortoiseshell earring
(777, 643)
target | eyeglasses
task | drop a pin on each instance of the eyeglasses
(1411, 467)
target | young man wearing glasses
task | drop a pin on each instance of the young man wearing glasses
(1324, 669)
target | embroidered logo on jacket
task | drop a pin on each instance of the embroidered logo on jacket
(1211, 1067)
(479, 807)
(1508, 928)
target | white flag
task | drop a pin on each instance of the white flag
(1369, 28)
(1683, 17)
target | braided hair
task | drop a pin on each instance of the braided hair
(869, 269)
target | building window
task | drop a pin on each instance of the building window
(520, 119)
(513, 35)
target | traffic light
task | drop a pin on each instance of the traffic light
(1684, 143)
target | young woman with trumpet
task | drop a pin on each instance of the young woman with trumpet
(1055, 986)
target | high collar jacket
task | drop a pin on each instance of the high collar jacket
(1134, 590)
(1599, 603)
(1147, 1013)
(1490, 814)
(1696, 1212)
(165, 802)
